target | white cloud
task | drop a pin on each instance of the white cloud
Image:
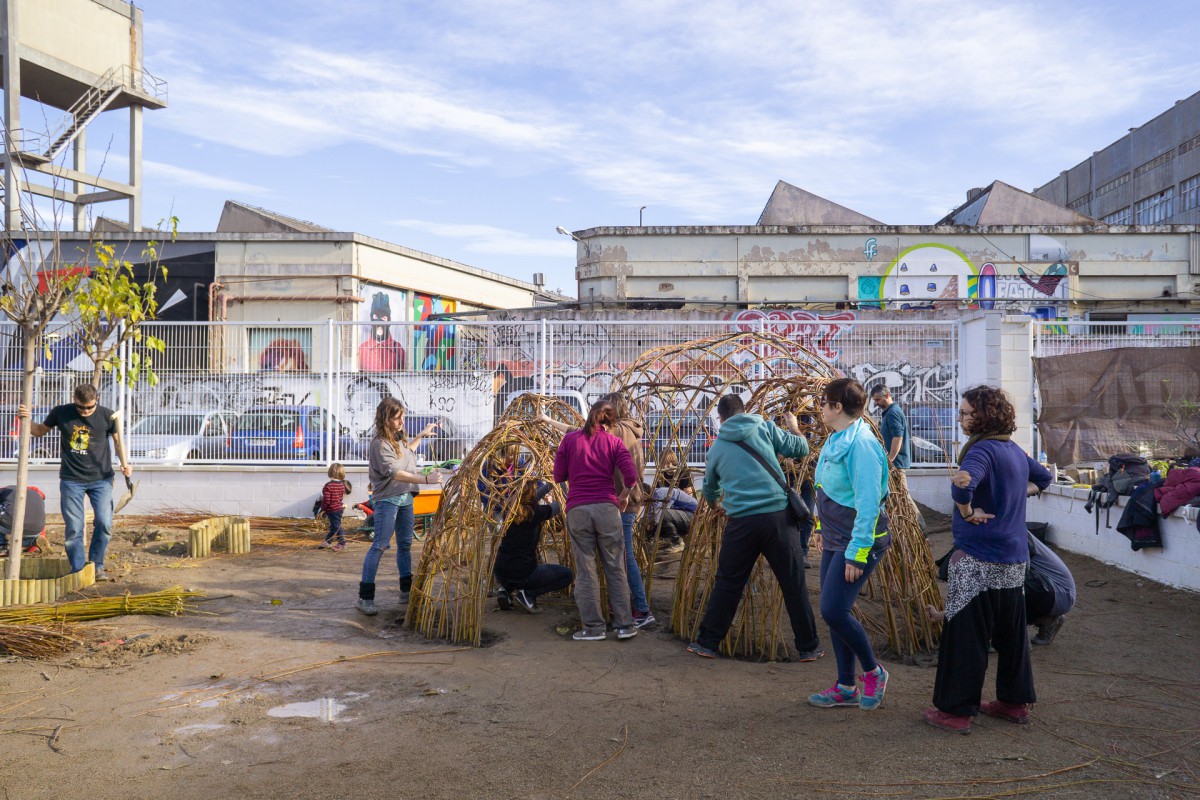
(697, 108)
(489, 239)
(199, 180)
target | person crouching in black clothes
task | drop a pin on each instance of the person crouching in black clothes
(522, 579)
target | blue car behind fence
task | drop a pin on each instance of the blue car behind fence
(278, 433)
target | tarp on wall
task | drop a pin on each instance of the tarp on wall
(1111, 401)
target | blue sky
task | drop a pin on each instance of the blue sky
(472, 129)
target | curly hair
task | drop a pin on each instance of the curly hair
(992, 411)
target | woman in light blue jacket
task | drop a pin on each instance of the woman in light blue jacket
(852, 482)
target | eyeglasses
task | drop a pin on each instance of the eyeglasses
(92, 407)
(827, 403)
(962, 413)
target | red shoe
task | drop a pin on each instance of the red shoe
(947, 722)
(1016, 714)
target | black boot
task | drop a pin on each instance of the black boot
(366, 598)
(405, 588)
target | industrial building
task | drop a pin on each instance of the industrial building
(1150, 176)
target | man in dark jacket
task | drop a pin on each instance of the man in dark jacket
(758, 524)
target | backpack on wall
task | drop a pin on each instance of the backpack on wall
(1125, 472)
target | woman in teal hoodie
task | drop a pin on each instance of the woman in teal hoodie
(852, 482)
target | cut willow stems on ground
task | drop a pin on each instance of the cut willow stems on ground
(780, 375)
(451, 582)
(166, 603)
(33, 641)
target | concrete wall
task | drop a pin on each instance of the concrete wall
(870, 264)
(1177, 563)
(1016, 376)
(84, 34)
(245, 491)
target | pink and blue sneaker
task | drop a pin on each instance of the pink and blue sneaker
(874, 685)
(836, 695)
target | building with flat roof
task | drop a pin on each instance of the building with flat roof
(1002, 249)
(1150, 176)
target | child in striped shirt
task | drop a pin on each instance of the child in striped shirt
(331, 503)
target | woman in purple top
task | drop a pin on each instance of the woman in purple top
(985, 602)
(587, 460)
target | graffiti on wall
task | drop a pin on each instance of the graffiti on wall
(919, 277)
(817, 332)
(379, 351)
(909, 384)
(929, 274)
(280, 349)
(433, 345)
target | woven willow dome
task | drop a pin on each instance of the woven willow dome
(674, 390)
(451, 581)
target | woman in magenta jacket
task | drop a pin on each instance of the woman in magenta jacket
(588, 460)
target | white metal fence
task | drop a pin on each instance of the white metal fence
(287, 392)
(1059, 338)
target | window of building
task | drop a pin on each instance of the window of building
(1155, 208)
(1122, 217)
(1080, 202)
(1157, 161)
(1116, 183)
(1190, 144)
(1189, 193)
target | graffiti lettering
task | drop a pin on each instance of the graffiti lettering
(817, 332)
(909, 384)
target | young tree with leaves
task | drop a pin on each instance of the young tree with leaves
(110, 308)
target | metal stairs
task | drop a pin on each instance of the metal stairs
(85, 109)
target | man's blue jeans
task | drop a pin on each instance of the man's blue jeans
(100, 493)
(637, 589)
(391, 518)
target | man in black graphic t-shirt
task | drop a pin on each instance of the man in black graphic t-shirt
(85, 470)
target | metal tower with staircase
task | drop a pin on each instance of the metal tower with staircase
(78, 59)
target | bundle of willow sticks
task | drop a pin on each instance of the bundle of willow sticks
(166, 603)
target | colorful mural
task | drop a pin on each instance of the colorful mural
(433, 345)
(927, 274)
(379, 351)
(280, 349)
(920, 276)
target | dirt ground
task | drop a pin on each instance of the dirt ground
(278, 688)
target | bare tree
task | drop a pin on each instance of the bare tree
(1184, 414)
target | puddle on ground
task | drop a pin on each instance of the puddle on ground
(325, 709)
(199, 728)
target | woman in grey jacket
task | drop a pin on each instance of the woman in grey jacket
(392, 464)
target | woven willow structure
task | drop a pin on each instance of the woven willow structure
(452, 578)
(674, 389)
